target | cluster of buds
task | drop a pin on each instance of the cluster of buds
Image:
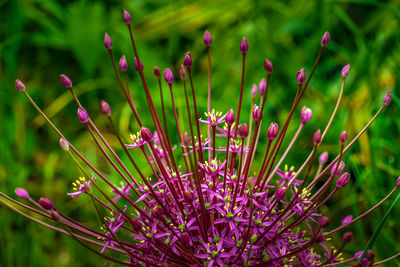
(207, 203)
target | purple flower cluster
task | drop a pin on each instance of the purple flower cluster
(218, 208)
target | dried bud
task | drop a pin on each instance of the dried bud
(21, 193)
(273, 130)
(323, 222)
(107, 41)
(64, 144)
(46, 203)
(19, 85)
(230, 117)
(317, 137)
(66, 81)
(182, 72)
(256, 113)
(244, 46)
(301, 76)
(347, 237)
(323, 158)
(306, 114)
(168, 76)
(268, 66)
(339, 170)
(146, 134)
(243, 130)
(187, 61)
(207, 38)
(186, 139)
(123, 64)
(343, 137)
(105, 108)
(127, 17)
(280, 193)
(325, 39)
(262, 86)
(138, 65)
(254, 90)
(83, 116)
(343, 180)
(345, 71)
(387, 99)
(157, 72)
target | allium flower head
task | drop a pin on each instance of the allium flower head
(206, 198)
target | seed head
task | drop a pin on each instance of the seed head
(244, 46)
(105, 108)
(66, 81)
(168, 76)
(123, 64)
(107, 41)
(325, 39)
(19, 85)
(21, 193)
(83, 116)
(207, 38)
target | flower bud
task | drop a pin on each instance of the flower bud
(157, 72)
(347, 237)
(262, 86)
(254, 90)
(306, 114)
(364, 262)
(105, 108)
(347, 219)
(268, 66)
(323, 222)
(325, 39)
(345, 71)
(168, 76)
(127, 17)
(343, 137)
(230, 117)
(343, 180)
(55, 215)
(21, 193)
(301, 76)
(146, 134)
(323, 158)
(187, 61)
(370, 254)
(256, 113)
(339, 170)
(66, 81)
(317, 137)
(207, 38)
(46, 203)
(64, 144)
(273, 130)
(243, 130)
(19, 85)
(182, 72)
(186, 139)
(398, 181)
(387, 99)
(83, 116)
(280, 193)
(107, 41)
(123, 64)
(244, 46)
(138, 65)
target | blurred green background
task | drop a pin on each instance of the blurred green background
(42, 38)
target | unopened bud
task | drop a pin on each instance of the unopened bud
(301, 76)
(21, 193)
(254, 90)
(127, 17)
(182, 72)
(244, 46)
(123, 64)
(268, 66)
(157, 72)
(387, 99)
(343, 180)
(64, 144)
(168, 76)
(262, 86)
(83, 116)
(146, 134)
(187, 61)
(138, 65)
(306, 114)
(207, 38)
(66, 81)
(323, 222)
(345, 71)
(107, 41)
(317, 137)
(230, 117)
(186, 139)
(46, 203)
(347, 237)
(343, 137)
(323, 158)
(19, 85)
(243, 130)
(256, 113)
(339, 170)
(325, 39)
(273, 130)
(280, 193)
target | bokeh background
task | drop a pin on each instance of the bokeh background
(39, 39)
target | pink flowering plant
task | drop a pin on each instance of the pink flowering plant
(205, 202)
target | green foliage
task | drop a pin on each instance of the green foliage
(41, 39)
